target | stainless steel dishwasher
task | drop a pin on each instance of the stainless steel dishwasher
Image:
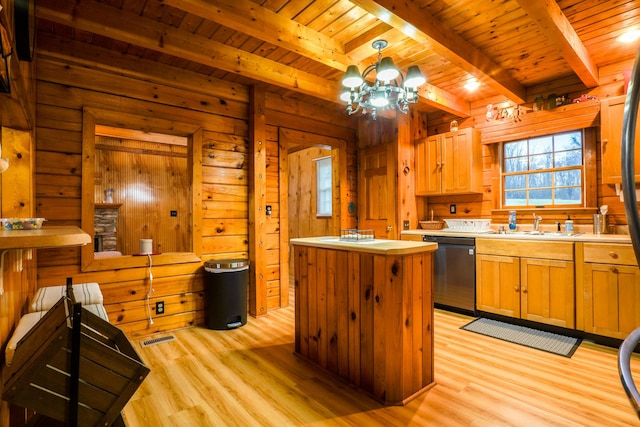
(454, 273)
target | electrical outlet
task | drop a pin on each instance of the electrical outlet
(405, 224)
(452, 209)
(173, 213)
(159, 307)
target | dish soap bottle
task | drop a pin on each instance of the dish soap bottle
(568, 225)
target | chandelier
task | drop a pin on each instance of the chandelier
(389, 90)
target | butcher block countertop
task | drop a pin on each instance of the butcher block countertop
(376, 246)
(577, 237)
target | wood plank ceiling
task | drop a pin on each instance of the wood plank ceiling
(303, 47)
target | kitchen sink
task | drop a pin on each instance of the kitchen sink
(542, 233)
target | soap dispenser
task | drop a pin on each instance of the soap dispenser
(568, 225)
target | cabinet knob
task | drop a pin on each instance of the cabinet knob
(605, 141)
(613, 270)
(613, 255)
(524, 290)
(516, 288)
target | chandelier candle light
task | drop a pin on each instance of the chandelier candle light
(385, 92)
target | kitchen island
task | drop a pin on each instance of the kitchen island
(364, 311)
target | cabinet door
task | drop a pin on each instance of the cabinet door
(428, 166)
(456, 164)
(548, 292)
(498, 284)
(612, 299)
(611, 114)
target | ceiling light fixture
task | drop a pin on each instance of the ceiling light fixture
(472, 84)
(629, 36)
(386, 91)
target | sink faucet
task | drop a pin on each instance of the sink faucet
(536, 222)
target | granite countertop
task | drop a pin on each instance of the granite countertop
(376, 246)
(525, 235)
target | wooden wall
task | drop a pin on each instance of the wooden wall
(148, 180)
(481, 205)
(303, 221)
(221, 110)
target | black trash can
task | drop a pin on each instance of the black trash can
(226, 293)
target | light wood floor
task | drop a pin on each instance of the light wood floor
(250, 377)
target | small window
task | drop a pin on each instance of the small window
(323, 185)
(544, 171)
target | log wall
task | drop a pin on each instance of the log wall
(530, 123)
(221, 110)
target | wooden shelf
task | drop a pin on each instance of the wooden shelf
(108, 205)
(46, 237)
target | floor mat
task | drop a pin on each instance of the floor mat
(541, 340)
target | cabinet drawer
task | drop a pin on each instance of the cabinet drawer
(608, 253)
(526, 248)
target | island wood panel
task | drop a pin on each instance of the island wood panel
(366, 318)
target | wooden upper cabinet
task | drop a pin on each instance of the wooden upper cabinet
(611, 114)
(449, 163)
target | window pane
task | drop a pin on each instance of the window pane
(567, 141)
(514, 182)
(541, 161)
(541, 145)
(323, 186)
(515, 149)
(515, 198)
(546, 170)
(540, 197)
(539, 180)
(568, 158)
(568, 178)
(517, 164)
(568, 196)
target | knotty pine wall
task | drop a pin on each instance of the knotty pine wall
(481, 205)
(64, 88)
(303, 221)
(19, 273)
(148, 180)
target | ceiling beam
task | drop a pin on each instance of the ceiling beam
(249, 18)
(130, 28)
(557, 28)
(407, 17)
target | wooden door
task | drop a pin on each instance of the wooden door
(611, 114)
(547, 292)
(612, 299)
(377, 191)
(428, 165)
(498, 284)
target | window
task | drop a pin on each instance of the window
(323, 185)
(544, 171)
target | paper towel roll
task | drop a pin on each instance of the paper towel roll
(146, 246)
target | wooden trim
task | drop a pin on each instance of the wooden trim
(283, 184)
(565, 118)
(90, 118)
(257, 200)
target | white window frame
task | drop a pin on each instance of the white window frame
(582, 169)
(324, 186)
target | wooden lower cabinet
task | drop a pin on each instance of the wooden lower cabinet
(611, 290)
(536, 289)
(367, 318)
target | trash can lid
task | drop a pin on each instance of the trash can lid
(227, 263)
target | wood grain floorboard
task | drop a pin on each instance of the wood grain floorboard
(250, 377)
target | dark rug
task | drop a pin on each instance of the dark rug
(529, 337)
